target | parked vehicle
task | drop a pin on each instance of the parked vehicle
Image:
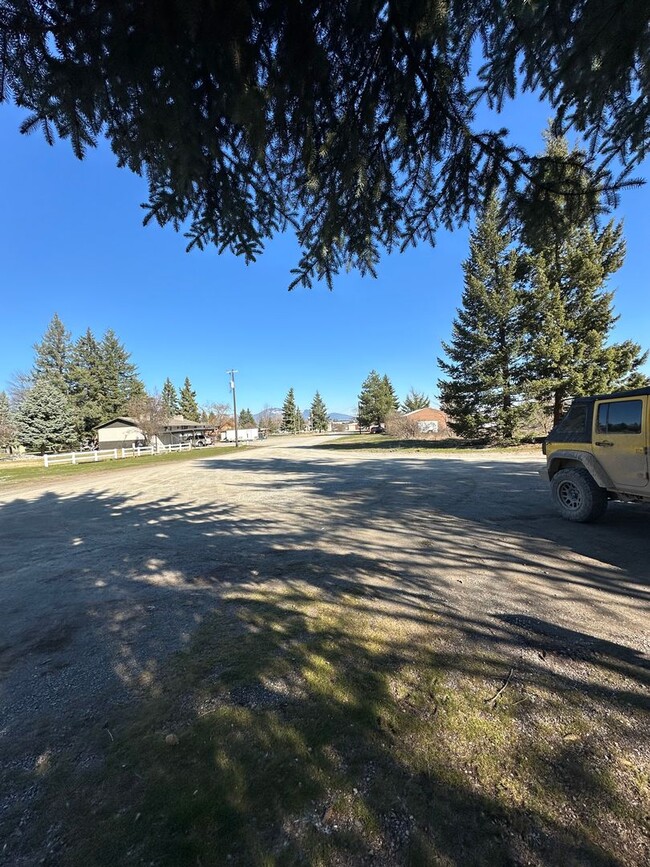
(599, 452)
(202, 440)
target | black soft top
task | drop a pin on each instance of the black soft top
(636, 392)
(576, 425)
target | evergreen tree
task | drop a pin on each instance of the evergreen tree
(391, 394)
(53, 355)
(415, 400)
(571, 317)
(45, 419)
(189, 408)
(247, 419)
(377, 400)
(170, 399)
(299, 421)
(289, 412)
(86, 385)
(318, 413)
(118, 376)
(485, 355)
(570, 312)
(360, 119)
(7, 422)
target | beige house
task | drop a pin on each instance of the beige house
(123, 432)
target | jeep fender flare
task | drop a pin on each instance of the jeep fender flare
(571, 458)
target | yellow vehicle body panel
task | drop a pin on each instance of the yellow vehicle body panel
(613, 445)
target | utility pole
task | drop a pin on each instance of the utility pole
(234, 402)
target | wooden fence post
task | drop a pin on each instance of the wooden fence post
(45, 461)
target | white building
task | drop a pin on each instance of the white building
(123, 432)
(244, 435)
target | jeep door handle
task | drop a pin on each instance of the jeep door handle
(604, 443)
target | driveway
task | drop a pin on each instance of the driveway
(101, 579)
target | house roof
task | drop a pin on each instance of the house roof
(427, 413)
(177, 423)
(127, 420)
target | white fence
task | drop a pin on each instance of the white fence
(112, 454)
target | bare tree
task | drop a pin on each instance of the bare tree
(402, 426)
(150, 413)
(19, 384)
(219, 415)
(268, 420)
(7, 423)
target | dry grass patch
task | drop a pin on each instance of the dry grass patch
(303, 727)
(11, 474)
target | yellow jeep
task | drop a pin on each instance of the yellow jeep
(598, 452)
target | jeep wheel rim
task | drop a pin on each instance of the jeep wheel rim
(570, 496)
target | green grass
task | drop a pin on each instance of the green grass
(314, 729)
(10, 475)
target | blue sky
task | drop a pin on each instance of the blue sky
(72, 242)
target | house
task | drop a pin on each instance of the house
(429, 420)
(119, 433)
(124, 432)
(343, 427)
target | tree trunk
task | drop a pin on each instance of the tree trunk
(557, 406)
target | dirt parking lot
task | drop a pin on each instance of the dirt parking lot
(102, 579)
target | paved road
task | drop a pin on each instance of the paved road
(101, 578)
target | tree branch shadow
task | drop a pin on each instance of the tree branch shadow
(261, 606)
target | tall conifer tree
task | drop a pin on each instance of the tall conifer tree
(119, 376)
(570, 310)
(169, 398)
(318, 413)
(484, 363)
(189, 408)
(53, 355)
(377, 400)
(86, 385)
(391, 394)
(289, 412)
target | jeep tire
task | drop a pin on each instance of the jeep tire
(576, 495)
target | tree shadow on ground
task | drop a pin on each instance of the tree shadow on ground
(380, 443)
(299, 634)
(498, 498)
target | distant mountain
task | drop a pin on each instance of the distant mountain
(273, 411)
(341, 416)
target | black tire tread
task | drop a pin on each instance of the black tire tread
(594, 497)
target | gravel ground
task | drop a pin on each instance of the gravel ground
(102, 578)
